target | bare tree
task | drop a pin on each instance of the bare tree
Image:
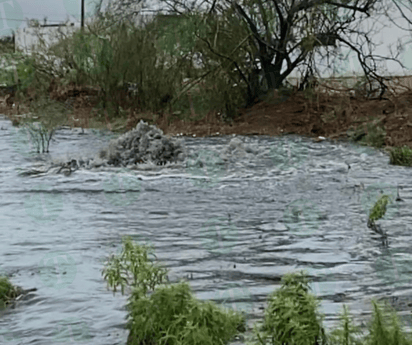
(278, 37)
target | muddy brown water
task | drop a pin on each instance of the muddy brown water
(232, 226)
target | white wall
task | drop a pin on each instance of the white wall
(27, 39)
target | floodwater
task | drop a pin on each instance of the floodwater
(232, 226)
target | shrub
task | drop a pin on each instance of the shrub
(133, 268)
(165, 314)
(46, 116)
(291, 316)
(171, 315)
(401, 156)
(375, 136)
(108, 55)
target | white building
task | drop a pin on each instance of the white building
(28, 39)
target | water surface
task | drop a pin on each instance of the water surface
(232, 220)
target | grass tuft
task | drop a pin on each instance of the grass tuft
(401, 156)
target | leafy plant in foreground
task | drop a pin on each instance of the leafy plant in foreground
(291, 316)
(385, 328)
(133, 268)
(347, 333)
(172, 315)
(165, 314)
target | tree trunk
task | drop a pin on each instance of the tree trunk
(272, 75)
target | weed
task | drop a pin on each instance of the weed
(166, 314)
(171, 315)
(291, 316)
(375, 136)
(347, 334)
(379, 209)
(46, 116)
(7, 291)
(401, 156)
(385, 328)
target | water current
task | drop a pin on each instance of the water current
(232, 226)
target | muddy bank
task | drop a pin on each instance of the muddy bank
(388, 121)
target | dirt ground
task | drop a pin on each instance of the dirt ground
(321, 115)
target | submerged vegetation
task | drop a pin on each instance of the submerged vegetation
(166, 313)
(8, 291)
(379, 209)
(377, 212)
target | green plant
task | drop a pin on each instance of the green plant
(385, 328)
(133, 268)
(291, 316)
(379, 209)
(7, 291)
(375, 136)
(171, 315)
(347, 334)
(46, 116)
(165, 314)
(401, 156)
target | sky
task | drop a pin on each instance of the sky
(14, 12)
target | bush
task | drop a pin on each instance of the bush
(109, 55)
(171, 315)
(291, 316)
(165, 314)
(401, 156)
(45, 117)
(375, 136)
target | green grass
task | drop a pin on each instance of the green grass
(401, 156)
(7, 291)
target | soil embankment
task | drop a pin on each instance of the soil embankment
(381, 122)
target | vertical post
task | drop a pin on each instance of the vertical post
(82, 15)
